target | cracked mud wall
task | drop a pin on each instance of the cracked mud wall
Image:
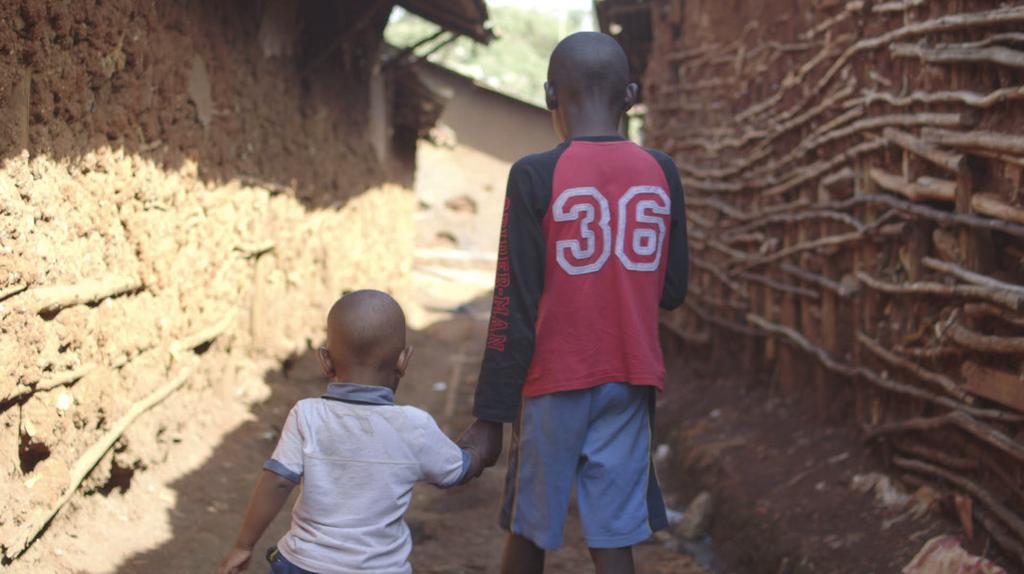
(185, 188)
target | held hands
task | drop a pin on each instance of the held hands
(483, 439)
(237, 561)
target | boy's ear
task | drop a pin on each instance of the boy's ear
(403, 360)
(325, 362)
(550, 96)
(632, 92)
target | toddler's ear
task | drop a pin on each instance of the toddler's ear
(403, 360)
(325, 362)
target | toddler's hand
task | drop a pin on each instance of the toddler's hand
(236, 562)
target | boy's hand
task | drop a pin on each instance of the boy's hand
(484, 439)
(236, 562)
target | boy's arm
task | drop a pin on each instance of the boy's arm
(518, 285)
(269, 495)
(677, 267)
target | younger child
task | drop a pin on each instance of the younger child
(356, 453)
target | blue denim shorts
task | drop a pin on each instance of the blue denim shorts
(597, 440)
(280, 565)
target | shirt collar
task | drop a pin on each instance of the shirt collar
(608, 138)
(361, 394)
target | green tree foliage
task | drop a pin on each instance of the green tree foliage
(515, 63)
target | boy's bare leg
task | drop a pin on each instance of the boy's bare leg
(521, 556)
(613, 560)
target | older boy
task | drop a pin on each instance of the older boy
(593, 239)
(355, 452)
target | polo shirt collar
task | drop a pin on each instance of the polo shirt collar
(361, 394)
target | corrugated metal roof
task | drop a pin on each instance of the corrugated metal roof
(468, 17)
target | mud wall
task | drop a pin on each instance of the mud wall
(185, 188)
(853, 177)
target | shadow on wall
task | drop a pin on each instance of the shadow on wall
(273, 94)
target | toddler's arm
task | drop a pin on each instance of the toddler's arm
(269, 495)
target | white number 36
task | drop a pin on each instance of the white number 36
(640, 230)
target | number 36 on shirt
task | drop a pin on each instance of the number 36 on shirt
(643, 214)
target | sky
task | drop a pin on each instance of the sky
(557, 7)
(546, 5)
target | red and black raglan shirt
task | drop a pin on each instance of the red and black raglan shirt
(593, 240)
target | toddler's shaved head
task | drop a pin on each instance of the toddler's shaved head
(366, 329)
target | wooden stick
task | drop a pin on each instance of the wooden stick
(830, 241)
(949, 161)
(987, 310)
(930, 353)
(839, 289)
(845, 174)
(719, 274)
(798, 217)
(733, 254)
(816, 170)
(955, 418)
(720, 322)
(188, 342)
(896, 6)
(782, 287)
(206, 335)
(699, 221)
(992, 205)
(941, 381)
(994, 141)
(1009, 300)
(85, 463)
(44, 300)
(870, 376)
(731, 305)
(739, 215)
(960, 54)
(972, 277)
(250, 250)
(937, 215)
(814, 244)
(924, 189)
(999, 16)
(985, 343)
(972, 99)
(12, 290)
(1002, 538)
(934, 455)
(755, 237)
(694, 339)
(717, 146)
(1008, 517)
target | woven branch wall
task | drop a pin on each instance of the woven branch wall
(853, 178)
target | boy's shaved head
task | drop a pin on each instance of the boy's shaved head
(366, 329)
(589, 66)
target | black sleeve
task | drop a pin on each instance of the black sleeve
(518, 285)
(677, 270)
